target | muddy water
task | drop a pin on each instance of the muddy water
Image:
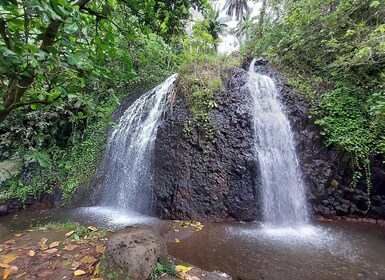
(332, 251)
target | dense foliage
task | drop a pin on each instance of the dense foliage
(64, 66)
(334, 52)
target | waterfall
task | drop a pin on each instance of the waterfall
(127, 163)
(283, 190)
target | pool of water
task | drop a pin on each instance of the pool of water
(337, 250)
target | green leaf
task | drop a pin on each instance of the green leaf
(71, 28)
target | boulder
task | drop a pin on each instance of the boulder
(133, 252)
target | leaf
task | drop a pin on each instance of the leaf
(71, 28)
(10, 242)
(177, 240)
(92, 228)
(97, 269)
(182, 268)
(88, 259)
(7, 259)
(54, 244)
(75, 265)
(70, 247)
(18, 235)
(51, 251)
(100, 249)
(68, 234)
(4, 265)
(79, 272)
(7, 272)
(31, 253)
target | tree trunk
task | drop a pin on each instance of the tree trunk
(262, 19)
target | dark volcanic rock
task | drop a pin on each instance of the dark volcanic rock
(198, 179)
(134, 251)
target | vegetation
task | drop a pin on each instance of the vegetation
(64, 67)
(333, 53)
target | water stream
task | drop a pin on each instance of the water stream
(127, 164)
(283, 196)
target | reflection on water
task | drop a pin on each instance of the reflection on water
(249, 251)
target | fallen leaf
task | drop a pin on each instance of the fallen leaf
(97, 269)
(70, 247)
(31, 253)
(6, 273)
(182, 268)
(75, 265)
(177, 240)
(96, 278)
(7, 259)
(100, 249)
(4, 265)
(54, 244)
(43, 240)
(92, 228)
(30, 230)
(88, 259)
(68, 234)
(51, 251)
(10, 242)
(18, 234)
(79, 272)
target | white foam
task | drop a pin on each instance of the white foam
(115, 217)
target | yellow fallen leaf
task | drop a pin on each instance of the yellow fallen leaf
(51, 251)
(75, 265)
(88, 259)
(4, 265)
(79, 272)
(70, 247)
(18, 234)
(43, 240)
(31, 253)
(182, 268)
(97, 269)
(7, 259)
(30, 230)
(10, 242)
(177, 240)
(6, 273)
(96, 278)
(100, 249)
(54, 244)
(43, 247)
(68, 234)
(92, 228)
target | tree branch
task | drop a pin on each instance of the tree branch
(3, 32)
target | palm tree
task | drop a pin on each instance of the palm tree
(236, 7)
(240, 31)
(216, 26)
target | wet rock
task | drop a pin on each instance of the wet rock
(134, 251)
(327, 170)
(209, 181)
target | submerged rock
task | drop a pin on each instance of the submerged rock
(133, 252)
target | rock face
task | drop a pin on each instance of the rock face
(134, 251)
(327, 171)
(215, 182)
(198, 179)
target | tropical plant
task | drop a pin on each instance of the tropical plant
(236, 8)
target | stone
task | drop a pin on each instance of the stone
(196, 179)
(134, 250)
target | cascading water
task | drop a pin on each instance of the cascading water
(283, 190)
(127, 163)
